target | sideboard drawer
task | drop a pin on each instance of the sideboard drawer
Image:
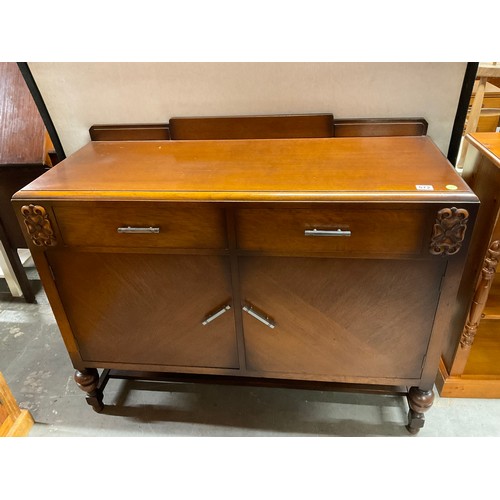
(338, 230)
(144, 225)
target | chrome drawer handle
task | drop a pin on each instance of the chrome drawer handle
(258, 315)
(138, 230)
(216, 314)
(326, 232)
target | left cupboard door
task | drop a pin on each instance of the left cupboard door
(148, 309)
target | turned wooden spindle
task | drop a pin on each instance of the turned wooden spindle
(419, 402)
(477, 307)
(87, 380)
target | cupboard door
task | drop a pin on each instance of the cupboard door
(148, 309)
(339, 318)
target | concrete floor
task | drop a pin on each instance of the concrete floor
(35, 363)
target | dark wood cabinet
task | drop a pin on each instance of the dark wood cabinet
(329, 261)
(24, 156)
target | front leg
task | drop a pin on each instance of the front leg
(87, 381)
(419, 401)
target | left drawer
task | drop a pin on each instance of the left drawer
(141, 225)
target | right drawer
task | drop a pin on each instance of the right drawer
(338, 230)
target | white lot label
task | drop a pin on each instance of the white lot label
(424, 187)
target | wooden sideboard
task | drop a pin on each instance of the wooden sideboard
(283, 261)
(470, 365)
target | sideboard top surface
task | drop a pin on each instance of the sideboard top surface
(328, 169)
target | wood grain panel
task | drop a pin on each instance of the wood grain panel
(251, 127)
(340, 318)
(379, 127)
(187, 226)
(3, 413)
(21, 127)
(264, 127)
(132, 308)
(372, 230)
(366, 168)
(140, 132)
(14, 422)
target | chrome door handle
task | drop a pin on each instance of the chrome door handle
(259, 316)
(327, 232)
(215, 314)
(138, 230)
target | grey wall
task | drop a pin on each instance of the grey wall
(79, 95)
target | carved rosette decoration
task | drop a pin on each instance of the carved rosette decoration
(449, 231)
(38, 225)
(481, 295)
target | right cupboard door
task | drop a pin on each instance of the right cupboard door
(341, 319)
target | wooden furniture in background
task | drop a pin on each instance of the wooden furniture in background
(494, 81)
(490, 112)
(278, 261)
(470, 366)
(14, 422)
(484, 72)
(25, 153)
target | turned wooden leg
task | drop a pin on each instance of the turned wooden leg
(419, 401)
(87, 381)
